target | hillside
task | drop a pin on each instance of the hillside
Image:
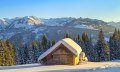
(29, 28)
(114, 24)
(113, 66)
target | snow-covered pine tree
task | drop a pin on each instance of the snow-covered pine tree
(102, 48)
(79, 41)
(88, 47)
(25, 53)
(84, 38)
(17, 56)
(44, 42)
(49, 44)
(40, 48)
(118, 44)
(34, 52)
(21, 54)
(31, 54)
(114, 44)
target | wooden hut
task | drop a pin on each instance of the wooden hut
(65, 51)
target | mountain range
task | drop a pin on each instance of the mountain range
(29, 28)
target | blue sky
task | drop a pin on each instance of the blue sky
(107, 10)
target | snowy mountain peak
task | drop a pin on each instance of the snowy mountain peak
(1, 21)
(20, 22)
(31, 20)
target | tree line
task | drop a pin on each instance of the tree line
(29, 53)
(7, 53)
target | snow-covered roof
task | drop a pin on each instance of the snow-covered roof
(69, 43)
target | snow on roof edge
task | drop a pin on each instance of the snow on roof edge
(64, 42)
(49, 50)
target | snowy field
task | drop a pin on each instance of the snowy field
(113, 66)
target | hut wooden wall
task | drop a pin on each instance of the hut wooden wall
(61, 55)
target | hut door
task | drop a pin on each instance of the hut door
(56, 58)
(63, 59)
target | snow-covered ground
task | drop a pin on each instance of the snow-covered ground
(113, 66)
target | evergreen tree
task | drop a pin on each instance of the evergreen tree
(36, 51)
(67, 35)
(114, 44)
(7, 53)
(17, 56)
(85, 37)
(21, 54)
(25, 54)
(33, 52)
(10, 53)
(44, 41)
(78, 39)
(31, 55)
(53, 42)
(88, 47)
(40, 48)
(102, 48)
(2, 55)
(49, 44)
